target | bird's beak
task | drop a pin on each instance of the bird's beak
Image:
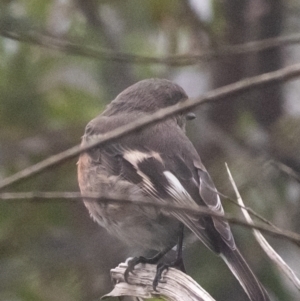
(190, 116)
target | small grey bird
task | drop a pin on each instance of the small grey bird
(157, 164)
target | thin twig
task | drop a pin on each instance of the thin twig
(250, 210)
(75, 48)
(273, 255)
(286, 169)
(280, 75)
(201, 210)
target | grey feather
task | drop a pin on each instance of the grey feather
(157, 164)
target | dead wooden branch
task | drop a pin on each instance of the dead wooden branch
(175, 285)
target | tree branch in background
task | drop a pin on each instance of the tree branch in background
(259, 81)
(286, 169)
(201, 210)
(70, 47)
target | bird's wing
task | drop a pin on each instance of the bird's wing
(169, 169)
(210, 196)
(163, 164)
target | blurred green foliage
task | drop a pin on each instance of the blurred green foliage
(51, 250)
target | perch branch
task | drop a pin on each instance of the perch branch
(175, 285)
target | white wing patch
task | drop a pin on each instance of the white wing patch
(218, 207)
(135, 156)
(177, 191)
(183, 198)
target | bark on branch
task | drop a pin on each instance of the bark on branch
(175, 285)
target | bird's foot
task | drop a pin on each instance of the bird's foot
(136, 260)
(159, 269)
(178, 264)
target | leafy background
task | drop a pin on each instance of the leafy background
(51, 250)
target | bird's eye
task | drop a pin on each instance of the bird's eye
(190, 116)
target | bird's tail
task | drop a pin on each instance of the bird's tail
(243, 273)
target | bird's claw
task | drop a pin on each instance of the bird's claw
(159, 270)
(131, 265)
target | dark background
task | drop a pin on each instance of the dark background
(51, 250)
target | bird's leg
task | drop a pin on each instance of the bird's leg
(136, 260)
(177, 263)
(179, 258)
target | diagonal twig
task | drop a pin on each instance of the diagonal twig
(278, 76)
(280, 263)
(286, 169)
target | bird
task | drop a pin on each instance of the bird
(156, 164)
